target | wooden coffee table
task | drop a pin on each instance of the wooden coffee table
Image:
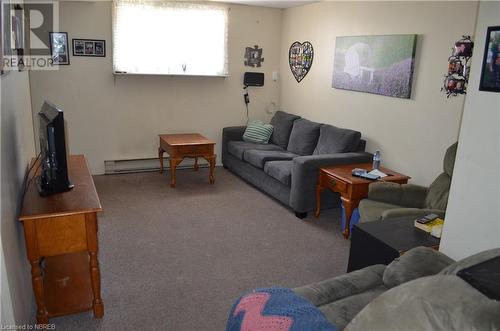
(180, 146)
(352, 189)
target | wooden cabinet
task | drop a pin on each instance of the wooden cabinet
(61, 243)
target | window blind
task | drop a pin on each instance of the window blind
(170, 38)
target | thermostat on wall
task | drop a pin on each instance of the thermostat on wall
(253, 79)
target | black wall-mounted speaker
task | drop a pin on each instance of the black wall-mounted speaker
(253, 79)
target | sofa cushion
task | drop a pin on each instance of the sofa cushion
(336, 140)
(341, 298)
(343, 286)
(237, 148)
(449, 159)
(280, 170)
(304, 137)
(258, 158)
(282, 123)
(258, 132)
(341, 312)
(429, 303)
(437, 195)
(417, 262)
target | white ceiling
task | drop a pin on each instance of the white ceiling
(272, 4)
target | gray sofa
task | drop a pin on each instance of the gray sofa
(287, 167)
(418, 291)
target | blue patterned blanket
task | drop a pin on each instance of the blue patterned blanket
(276, 309)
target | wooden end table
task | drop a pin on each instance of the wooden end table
(180, 146)
(380, 242)
(352, 189)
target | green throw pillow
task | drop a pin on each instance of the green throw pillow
(258, 132)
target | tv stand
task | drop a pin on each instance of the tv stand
(61, 243)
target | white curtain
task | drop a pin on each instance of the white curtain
(170, 38)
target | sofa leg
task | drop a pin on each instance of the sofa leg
(300, 215)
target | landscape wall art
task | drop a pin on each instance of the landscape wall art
(375, 64)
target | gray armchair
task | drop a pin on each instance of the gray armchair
(341, 298)
(417, 291)
(390, 200)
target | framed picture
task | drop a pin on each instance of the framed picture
(490, 74)
(300, 59)
(253, 56)
(455, 66)
(59, 47)
(455, 85)
(13, 24)
(3, 37)
(463, 48)
(89, 47)
(380, 64)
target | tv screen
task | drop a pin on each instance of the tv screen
(54, 174)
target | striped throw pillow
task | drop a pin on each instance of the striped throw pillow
(258, 132)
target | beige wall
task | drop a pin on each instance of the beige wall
(17, 149)
(411, 134)
(473, 215)
(119, 117)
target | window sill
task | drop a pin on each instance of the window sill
(120, 73)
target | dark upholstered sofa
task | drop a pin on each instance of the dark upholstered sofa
(287, 167)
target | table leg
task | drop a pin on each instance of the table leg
(174, 162)
(160, 156)
(196, 163)
(319, 189)
(349, 206)
(211, 162)
(42, 316)
(95, 278)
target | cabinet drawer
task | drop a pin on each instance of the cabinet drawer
(194, 150)
(60, 235)
(334, 184)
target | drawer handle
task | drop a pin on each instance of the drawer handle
(332, 182)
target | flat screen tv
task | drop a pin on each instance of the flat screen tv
(54, 174)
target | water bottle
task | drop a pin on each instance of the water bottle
(376, 160)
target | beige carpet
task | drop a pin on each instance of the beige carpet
(176, 259)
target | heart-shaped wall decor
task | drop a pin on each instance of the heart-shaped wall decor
(300, 58)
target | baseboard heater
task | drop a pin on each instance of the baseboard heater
(147, 164)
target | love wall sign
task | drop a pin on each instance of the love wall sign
(300, 58)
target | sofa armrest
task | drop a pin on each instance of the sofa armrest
(406, 195)
(417, 262)
(231, 133)
(411, 212)
(343, 286)
(326, 160)
(305, 175)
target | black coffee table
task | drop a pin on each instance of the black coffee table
(380, 242)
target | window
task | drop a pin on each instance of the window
(170, 38)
